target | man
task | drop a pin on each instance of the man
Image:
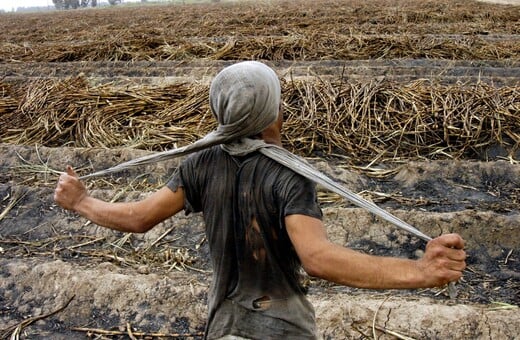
(262, 219)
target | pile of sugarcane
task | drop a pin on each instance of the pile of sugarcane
(364, 121)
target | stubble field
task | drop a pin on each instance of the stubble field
(413, 105)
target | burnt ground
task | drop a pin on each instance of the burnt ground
(156, 283)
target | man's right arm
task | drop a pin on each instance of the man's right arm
(443, 261)
(136, 217)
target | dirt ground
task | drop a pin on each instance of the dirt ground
(62, 277)
(157, 282)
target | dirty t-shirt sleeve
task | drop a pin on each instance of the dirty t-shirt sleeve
(300, 197)
(184, 177)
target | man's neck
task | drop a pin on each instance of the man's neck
(271, 138)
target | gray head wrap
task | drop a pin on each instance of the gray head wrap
(245, 99)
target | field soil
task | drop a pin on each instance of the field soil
(157, 282)
(62, 277)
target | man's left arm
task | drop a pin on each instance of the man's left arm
(443, 261)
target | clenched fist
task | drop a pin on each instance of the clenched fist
(69, 191)
(444, 260)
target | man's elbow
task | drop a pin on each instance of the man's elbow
(140, 226)
(137, 218)
(138, 223)
(312, 271)
(311, 265)
(321, 262)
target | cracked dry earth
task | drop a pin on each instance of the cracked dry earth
(63, 278)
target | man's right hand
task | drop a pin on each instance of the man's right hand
(70, 191)
(443, 261)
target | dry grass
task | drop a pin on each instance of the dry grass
(273, 30)
(373, 121)
(160, 255)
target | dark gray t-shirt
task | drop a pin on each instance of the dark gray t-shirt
(256, 291)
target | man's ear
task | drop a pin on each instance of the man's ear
(280, 116)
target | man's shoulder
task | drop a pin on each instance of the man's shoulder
(210, 154)
(280, 173)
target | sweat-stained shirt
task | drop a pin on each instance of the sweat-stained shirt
(256, 291)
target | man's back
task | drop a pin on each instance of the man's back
(256, 290)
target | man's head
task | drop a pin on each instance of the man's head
(245, 99)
